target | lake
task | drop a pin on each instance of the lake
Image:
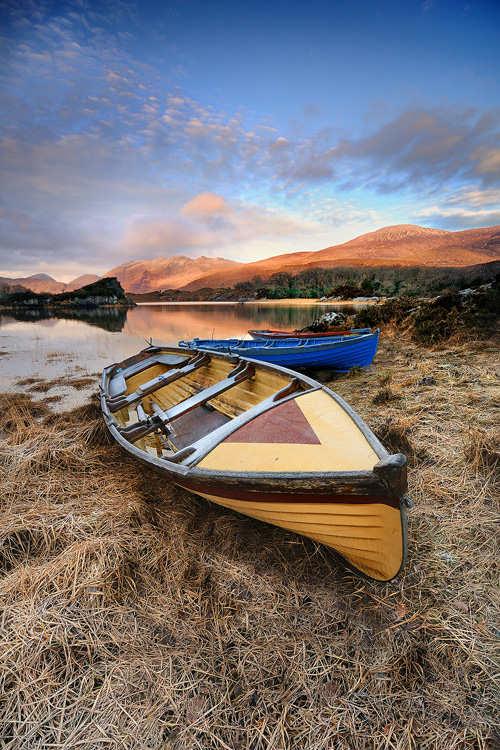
(77, 343)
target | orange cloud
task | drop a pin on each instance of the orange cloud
(206, 204)
(148, 233)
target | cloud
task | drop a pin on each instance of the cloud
(143, 234)
(206, 204)
(419, 151)
(425, 148)
(488, 163)
(251, 222)
(464, 208)
(471, 195)
(238, 222)
(464, 219)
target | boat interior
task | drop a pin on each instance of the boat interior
(167, 403)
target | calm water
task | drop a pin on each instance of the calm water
(42, 345)
(170, 323)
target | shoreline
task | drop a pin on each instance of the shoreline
(74, 306)
(285, 301)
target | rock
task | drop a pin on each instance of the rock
(428, 380)
(400, 611)
(326, 321)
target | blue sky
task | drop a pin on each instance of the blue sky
(240, 129)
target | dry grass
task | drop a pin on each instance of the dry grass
(482, 448)
(59, 356)
(138, 616)
(41, 385)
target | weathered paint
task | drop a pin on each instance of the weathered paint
(339, 446)
(367, 536)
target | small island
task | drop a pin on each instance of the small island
(107, 292)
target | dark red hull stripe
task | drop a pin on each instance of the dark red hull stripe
(285, 423)
(283, 497)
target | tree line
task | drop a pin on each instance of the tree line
(382, 281)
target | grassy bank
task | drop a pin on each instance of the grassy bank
(138, 616)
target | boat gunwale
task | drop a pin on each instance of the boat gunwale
(266, 334)
(276, 479)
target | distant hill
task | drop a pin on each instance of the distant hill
(41, 277)
(103, 292)
(36, 284)
(144, 276)
(42, 283)
(85, 280)
(137, 277)
(401, 245)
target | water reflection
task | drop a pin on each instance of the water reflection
(108, 318)
(170, 323)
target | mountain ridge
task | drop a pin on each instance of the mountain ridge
(175, 272)
(42, 283)
(397, 245)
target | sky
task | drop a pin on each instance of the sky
(137, 130)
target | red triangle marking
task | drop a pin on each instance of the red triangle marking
(285, 423)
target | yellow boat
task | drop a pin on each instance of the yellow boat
(267, 442)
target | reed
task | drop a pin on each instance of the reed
(135, 615)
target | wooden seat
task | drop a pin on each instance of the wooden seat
(195, 451)
(117, 383)
(161, 418)
(118, 402)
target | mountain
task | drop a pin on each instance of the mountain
(168, 273)
(85, 280)
(41, 277)
(40, 282)
(36, 283)
(135, 276)
(401, 245)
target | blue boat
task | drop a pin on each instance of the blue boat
(339, 353)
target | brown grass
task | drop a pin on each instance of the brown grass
(482, 448)
(25, 382)
(136, 615)
(41, 385)
(52, 399)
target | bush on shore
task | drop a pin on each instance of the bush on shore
(476, 315)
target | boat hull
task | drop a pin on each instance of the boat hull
(367, 536)
(270, 335)
(340, 354)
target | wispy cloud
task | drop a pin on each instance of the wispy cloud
(420, 150)
(143, 235)
(464, 208)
